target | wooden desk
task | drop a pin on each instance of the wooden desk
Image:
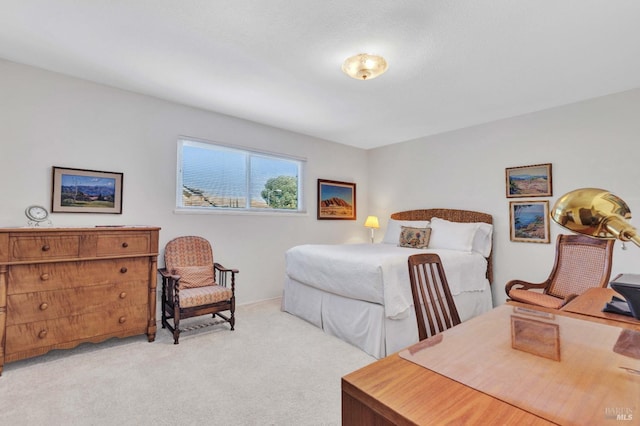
(394, 391)
(592, 301)
(397, 391)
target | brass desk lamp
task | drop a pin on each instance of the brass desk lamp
(595, 212)
(600, 214)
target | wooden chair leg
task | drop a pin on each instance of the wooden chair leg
(176, 326)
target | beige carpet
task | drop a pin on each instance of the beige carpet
(274, 369)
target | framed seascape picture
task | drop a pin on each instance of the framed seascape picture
(336, 200)
(529, 221)
(529, 181)
(86, 191)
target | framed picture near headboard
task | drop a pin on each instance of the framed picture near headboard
(529, 181)
(529, 221)
(336, 200)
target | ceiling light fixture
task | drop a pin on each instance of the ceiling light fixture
(364, 66)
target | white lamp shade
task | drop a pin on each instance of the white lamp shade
(372, 222)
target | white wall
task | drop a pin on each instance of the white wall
(47, 119)
(590, 144)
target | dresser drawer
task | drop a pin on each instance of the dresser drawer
(61, 275)
(46, 305)
(123, 244)
(40, 334)
(44, 247)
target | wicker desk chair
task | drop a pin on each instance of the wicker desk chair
(432, 298)
(193, 285)
(581, 263)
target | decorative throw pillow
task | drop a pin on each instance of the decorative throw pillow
(194, 276)
(392, 232)
(414, 237)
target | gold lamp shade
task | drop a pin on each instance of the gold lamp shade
(595, 212)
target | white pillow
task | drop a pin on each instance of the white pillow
(482, 239)
(452, 235)
(392, 233)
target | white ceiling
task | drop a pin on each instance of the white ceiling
(452, 64)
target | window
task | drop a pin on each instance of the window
(218, 177)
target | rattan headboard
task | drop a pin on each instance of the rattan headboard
(453, 216)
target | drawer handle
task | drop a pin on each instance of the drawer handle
(125, 245)
(44, 306)
(123, 295)
(44, 277)
(46, 247)
(122, 320)
(42, 334)
(123, 270)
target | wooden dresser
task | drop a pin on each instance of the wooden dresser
(60, 287)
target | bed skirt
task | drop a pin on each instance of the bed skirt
(363, 324)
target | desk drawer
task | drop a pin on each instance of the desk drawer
(46, 305)
(39, 334)
(123, 244)
(60, 275)
(44, 247)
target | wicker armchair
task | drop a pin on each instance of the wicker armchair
(581, 263)
(432, 298)
(193, 285)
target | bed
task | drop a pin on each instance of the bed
(361, 294)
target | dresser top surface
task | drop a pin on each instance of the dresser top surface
(31, 229)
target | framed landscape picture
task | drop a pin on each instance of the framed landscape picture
(529, 221)
(529, 181)
(86, 191)
(336, 200)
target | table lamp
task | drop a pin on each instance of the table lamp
(372, 222)
(595, 212)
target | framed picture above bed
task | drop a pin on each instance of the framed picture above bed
(529, 221)
(529, 181)
(336, 200)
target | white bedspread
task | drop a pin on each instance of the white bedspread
(378, 273)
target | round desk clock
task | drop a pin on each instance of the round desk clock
(37, 215)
